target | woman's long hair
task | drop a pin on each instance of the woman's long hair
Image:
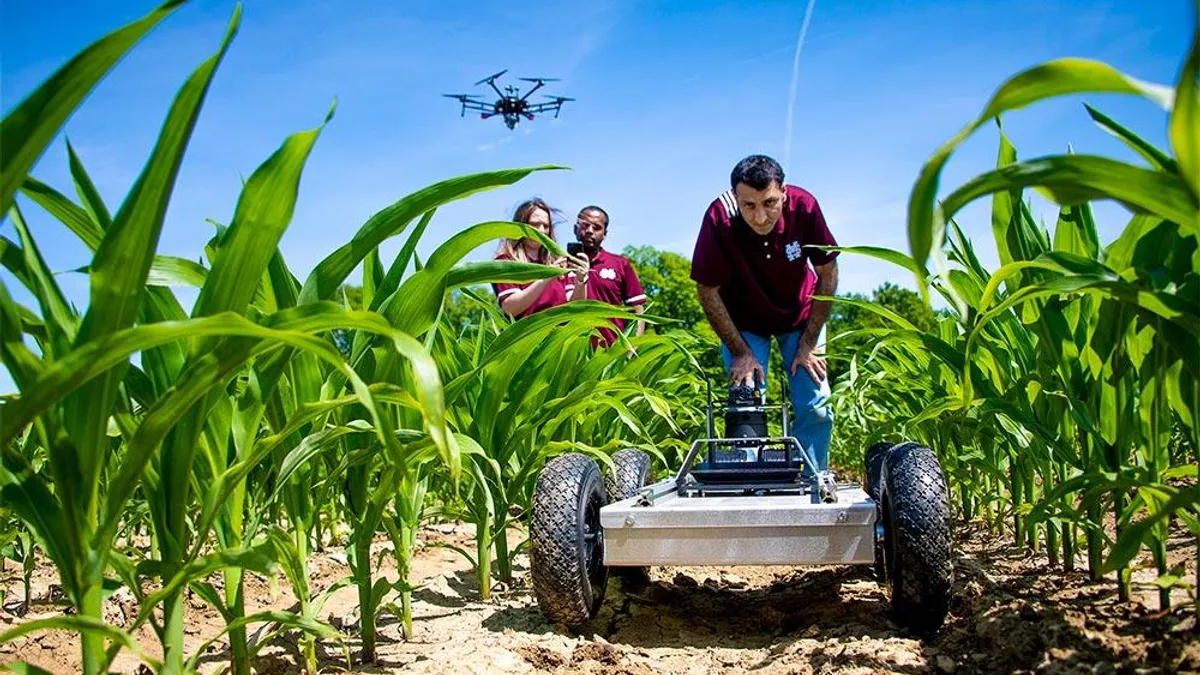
(515, 248)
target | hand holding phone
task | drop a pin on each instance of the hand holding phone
(574, 248)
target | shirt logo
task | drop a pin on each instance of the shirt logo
(793, 251)
(608, 273)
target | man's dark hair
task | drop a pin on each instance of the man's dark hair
(757, 171)
(597, 209)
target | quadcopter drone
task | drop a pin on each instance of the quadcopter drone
(511, 105)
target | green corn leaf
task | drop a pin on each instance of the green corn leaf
(83, 625)
(319, 602)
(967, 251)
(1074, 179)
(30, 127)
(1055, 78)
(293, 566)
(307, 625)
(1136, 535)
(78, 220)
(873, 307)
(86, 189)
(285, 289)
(290, 328)
(1005, 203)
(168, 270)
(391, 280)
(13, 260)
(1119, 255)
(263, 212)
(212, 596)
(259, 558)
(333, 270)
(965, 287)
(120, 267)
(1185, 119)
(879, 253)
(414, 306)
(27, 494)
(1075, 232)
(22, 364)
(311, 446)
(98, 356)
(372, 276)
(61, 320)
(498, 271)
(579, 314)
(1157, 158)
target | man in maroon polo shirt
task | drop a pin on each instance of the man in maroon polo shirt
(611, 278)
(752, 269)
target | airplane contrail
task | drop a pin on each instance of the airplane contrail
(787, 140)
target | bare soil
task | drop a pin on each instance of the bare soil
(1012, 613)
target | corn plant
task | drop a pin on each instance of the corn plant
(189, 435)
(1051, 394)
(528, 390)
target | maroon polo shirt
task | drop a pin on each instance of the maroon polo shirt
(613, 280)
(553, 295)
(765, 281)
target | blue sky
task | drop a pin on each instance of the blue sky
(669, 96)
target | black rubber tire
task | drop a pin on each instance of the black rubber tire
(630, 473)
(874, 469)
(874, 489)
(916, 516)
(566, 541)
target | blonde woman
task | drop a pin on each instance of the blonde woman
(521, 300)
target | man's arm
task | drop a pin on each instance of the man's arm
(827, 278)
(744, 364)
(641, 325)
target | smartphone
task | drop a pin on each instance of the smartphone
(574, 248)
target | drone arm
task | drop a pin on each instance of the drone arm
(476, 105)
(545, 107)
(535, 88)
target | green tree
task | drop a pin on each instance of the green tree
(670, 291)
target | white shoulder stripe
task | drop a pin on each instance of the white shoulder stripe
(730, 203)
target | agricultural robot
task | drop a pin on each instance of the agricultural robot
(744, 498)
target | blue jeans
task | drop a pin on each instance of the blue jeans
(812, 421)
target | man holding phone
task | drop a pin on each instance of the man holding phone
(752, 271)
(611, 277)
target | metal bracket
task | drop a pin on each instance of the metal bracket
(826, 488)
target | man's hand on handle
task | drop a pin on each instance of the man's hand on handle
(746, 371)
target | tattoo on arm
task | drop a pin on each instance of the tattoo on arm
(827, 279)
(722, 323)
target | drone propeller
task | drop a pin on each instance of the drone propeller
(493, 77)
(461, 97)
(559, 99)
(539, 79)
